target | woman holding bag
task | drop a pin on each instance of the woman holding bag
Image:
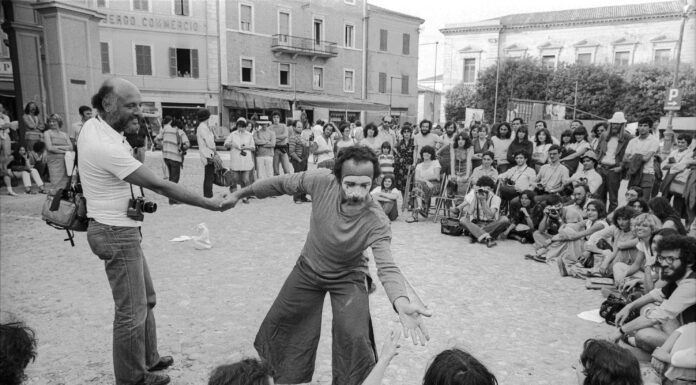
(58, 144)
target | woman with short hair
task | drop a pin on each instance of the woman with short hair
(31, 127)
(501, 141)
(427, 182)
(57, 144)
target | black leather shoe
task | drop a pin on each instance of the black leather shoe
(163, 363)
(155, 379)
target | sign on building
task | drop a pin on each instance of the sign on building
(673, 99)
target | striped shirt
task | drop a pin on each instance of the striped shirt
(386, 164)
(170, 142)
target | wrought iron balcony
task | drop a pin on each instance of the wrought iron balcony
(295, 45)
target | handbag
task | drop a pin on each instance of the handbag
(66, 209)
(507, 191)
(222, 176)
(612, 305)
(451, 226)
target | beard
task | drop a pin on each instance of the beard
(674, 274)
(118, 121)
(424, 132)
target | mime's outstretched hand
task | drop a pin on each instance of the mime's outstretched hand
(411, 317)
(230, 201)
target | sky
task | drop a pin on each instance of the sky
(437, 13)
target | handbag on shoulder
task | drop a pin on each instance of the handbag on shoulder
(222, 176)
(66, 208)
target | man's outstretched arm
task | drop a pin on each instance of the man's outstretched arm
(288, 184)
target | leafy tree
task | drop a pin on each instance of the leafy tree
(458, 99)
(598, 90)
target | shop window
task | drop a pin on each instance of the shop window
(406, 49)
(383, 36)
(181, 7)
(382, 83)
(105, 61)
(663, 56)
(318, 78)
(284, 78)
(469, 75)
(349, 40)
(584, 58)
(141, 5)
(247, 71)
(143, 60)
(183, 63)
(404, 84)
(622, 58)
(245, 17)
(349, 81)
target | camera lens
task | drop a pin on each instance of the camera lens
(149, 207)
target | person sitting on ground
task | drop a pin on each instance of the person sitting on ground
(249, 371)
(622, 239)
(452, 366)
(606, 363)
(676, 358)
(661, 208)
(427, 177)
(480, 213)
(486, 168)
(586, 173)
(640, 205)
(677, 302)
(37, 157)
(21, 167)
(627, 275)
(569, 244)
(388, 196)
(633, 193)
(17, 349)
(524, 220)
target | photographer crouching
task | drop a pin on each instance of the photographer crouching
(108, 172)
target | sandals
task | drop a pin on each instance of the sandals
(412, 219)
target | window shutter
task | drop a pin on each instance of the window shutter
(382, 82)
(172, 62)
(406, 50)
(382, 39)
(194, 63)
(177, 7)
(404, 84)
(185, 7)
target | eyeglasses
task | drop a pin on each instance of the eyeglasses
(667, 260)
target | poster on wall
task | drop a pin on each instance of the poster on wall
(473, 115)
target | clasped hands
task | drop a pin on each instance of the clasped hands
(224, 201)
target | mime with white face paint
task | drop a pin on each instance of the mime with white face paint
(345, 220)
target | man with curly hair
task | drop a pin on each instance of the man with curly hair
(17, 349)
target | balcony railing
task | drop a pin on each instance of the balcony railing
(296, 45)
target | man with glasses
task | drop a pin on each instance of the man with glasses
(677, 301)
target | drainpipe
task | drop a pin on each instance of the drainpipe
(363, 114)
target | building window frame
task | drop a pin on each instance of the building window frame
(193, 61)
(382, 83)
(384, 32)
(322, 39)
(253, 69)
(110, 58)
(281, 39)
(405, 48)
(624, 45)
(105, 2)
(135, 59)
(656, 49)
(548, 50)
(252, 24)
(578, 54)
(322, 81)
(352, 86)
(405, 87)
(469, 53)
(345, 34)
(586, 47)
(147, 3)
(290, 79)
(464, 70)
(188, 8)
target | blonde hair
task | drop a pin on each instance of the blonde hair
(646, 218)
(57, 118)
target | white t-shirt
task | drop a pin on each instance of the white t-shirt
(643, 146)
(493, 203)
(594, 180)
(431, 140)
(322, 145)
(105, 160)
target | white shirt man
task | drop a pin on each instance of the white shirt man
(586, 173)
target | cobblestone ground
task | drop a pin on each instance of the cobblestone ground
(518, 317)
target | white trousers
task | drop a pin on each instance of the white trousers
(264, 166)
(27, 177)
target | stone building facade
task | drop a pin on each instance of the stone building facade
(615, 35)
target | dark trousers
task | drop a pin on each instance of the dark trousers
(289, 335)
(135, 335)
(611, 180)
(299, 167)
(209, 172)
(174, 169)
(480, 229)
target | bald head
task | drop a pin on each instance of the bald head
(118, 102)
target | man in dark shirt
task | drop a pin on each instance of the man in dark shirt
(345, 221)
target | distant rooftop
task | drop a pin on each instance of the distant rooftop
(400, 14)
(437, 78)
(628, 11)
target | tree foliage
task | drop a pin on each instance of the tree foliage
(637, 90)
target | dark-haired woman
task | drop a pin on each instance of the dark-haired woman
(370, 139)
(542, 143)
(661, 208)
(427, 181)
(501, 142)
(598, 131)
(607, 363)
(31, 127)
(388, 196)
(404, 157)
(521, 142)
(463, 152)
(479, 143)
(577, 146)
(524, 221)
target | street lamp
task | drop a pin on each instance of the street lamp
(434, 75)
(669, 132)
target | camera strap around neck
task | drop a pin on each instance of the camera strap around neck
(142, 192)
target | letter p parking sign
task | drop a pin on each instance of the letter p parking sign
(673, 98)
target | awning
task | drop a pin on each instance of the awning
(248, 98)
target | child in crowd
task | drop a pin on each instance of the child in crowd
(386, 159)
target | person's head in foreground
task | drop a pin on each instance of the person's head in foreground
(677, 256)
(17, 349)
(457, 367)
(356, 169)
(249, 371)
(606, 363)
